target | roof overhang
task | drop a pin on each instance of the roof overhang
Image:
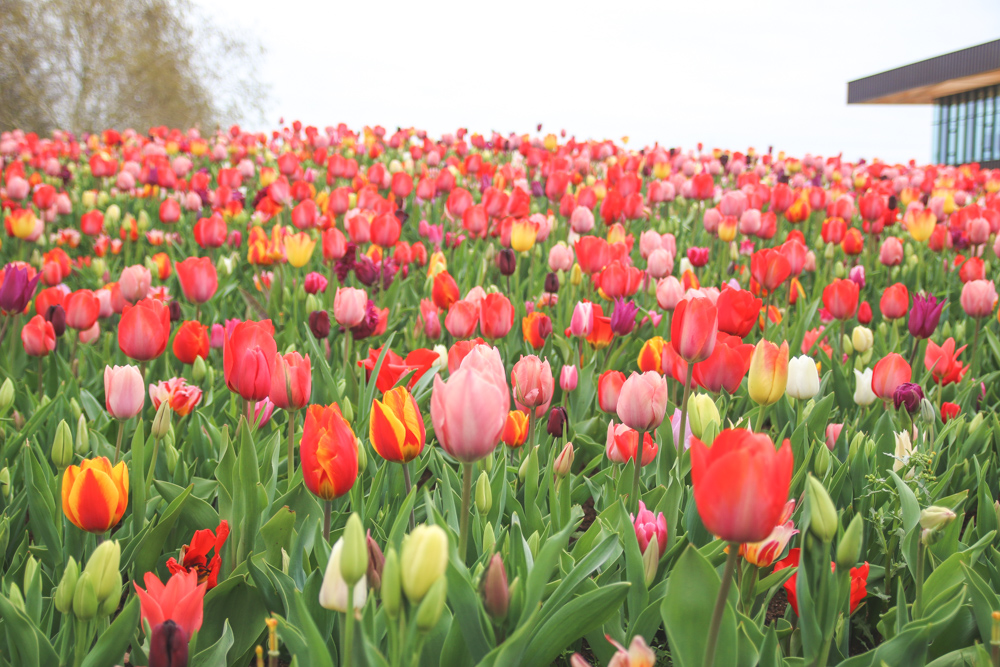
(931, 79)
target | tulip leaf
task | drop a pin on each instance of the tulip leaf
(572, 621)
(234, 602)
(113, 642)
(540, 571)
(276, 535)
(464, 603)
(687, 612)
(197, 514)
(216, 653)
(29, 644)
(137, 478)
(594, 559)
(42, 512)
(149, 548)
(907, 502)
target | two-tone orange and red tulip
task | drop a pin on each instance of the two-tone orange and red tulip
(94, 494)
(329, 452)
(396, 428)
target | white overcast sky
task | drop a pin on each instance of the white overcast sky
(730, 73)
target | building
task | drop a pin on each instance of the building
(963, 86)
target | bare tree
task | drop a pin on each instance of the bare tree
(93, 64)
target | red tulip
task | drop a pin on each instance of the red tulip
(496, 316)
(291, 381)
(740, 484)
(841, 298)
(247, 359)
(859, 580)
(609, 387)
(694, 328)
(592, 253)
(198, 277)
(444, 291)
(739, 311)
(942, 361)
(890, 372)
(329, 452)
(462, 318)
(38, 337)
(144, 329)
(181, 600)
(770, 268)
(170, 211)
(191, 342)
(726, 367)
(895, 301)
(211, 232)
(82, 309)
(623, 445)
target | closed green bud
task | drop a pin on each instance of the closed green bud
(703, 416)
(423, 561)
(62, 446)
(98, 267)
(5, 481)
(6, 396)
(849, 549)
(866, 358)
(30, 570)
(489, 540)
(960, 330)
(821, 460)
(390, 591)
(312, 303)
(172, 456)
(82, 445)
(564, 462)
(198, 369)
(522, 470)
(650, 562)
(74, 407)
(354, 559)
(430, 609)
(103, 567)
(362, 454)
(848, 346)
(576, 275)
(927, 411)
(823, 514)
(976, 422)
(838, 270)
(161, 422)
(830, 251)
(110, 603)
(484, 494)
(63, 595)
(142, 222)
(486, 463)
(85, 601)
(16, 599)
(347, 410)
(936, 517)
(533, 542)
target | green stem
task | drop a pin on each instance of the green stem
(975, 357)
(918, 608)
(720, 603)
(118, 445)
(327, 506)
(152, 466)
(760, 418)
(291, 447)
(463, 539)
(633, 499)
(684, 411)
(407, 485)
(349, 628)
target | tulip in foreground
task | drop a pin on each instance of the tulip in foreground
(180, 600)
(95, 495)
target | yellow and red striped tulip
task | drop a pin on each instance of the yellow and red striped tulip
(396, 428)
(95, 495)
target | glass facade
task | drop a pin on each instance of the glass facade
(967, 127)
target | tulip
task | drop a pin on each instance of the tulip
(423, 560)
(291, 381)
(349, 306)
(319, 324)
(863, 393)
(329, 453)
(247, 359)
(177, 393)
(564, 461)
(582, 323)
(135, 282)
(925, 315)
(741, 465)
(191, 342)
(568, 376)
(124, 391)
(462, 318)
(38, 337)
(949, 411)
(858, 576)
(82, 309)
(768, 375)
(738, 310)
(333, 594)
(168, 644)
(194, 556)
(532, 381)
(669, 293)
(496, 316)
(895, 301)
(650, 528)
(890, 372)
(17, 287)
(803, 378)
(515, 429)
(199, 279)
(444, 291)
(623, 445)
(694, 328)
(496, 596)
(642, 401)
(609, 386)
(299, 249)
(557, 422)
(396, 427)
(770, 268)
(942, 361)
(841, 298)
(535, 328)
(95, 495)
(979, 298)
(144, 330)
(180, 600)
(908, 394)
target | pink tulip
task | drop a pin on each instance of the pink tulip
(90, 335)
(568, 378)
(649, 241)
(979, 298)
(582, 323)
(891, 252)
(649, 528)
(124, 391)
(643, 401)
(349, 306)
(134, 282)
(560, 257)
(462, 319)
(660, 263)
(832, 433)
(669, 292)
(470, 409)
(533, 384)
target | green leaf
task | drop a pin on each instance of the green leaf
(149, 549)
(277, 535)
(687, 612)
(908, 503)
(137, 479)
(984, 602)
(464, 602)
(216, 653)
(112, 644)
(32, 647)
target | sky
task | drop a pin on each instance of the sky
(730, 74)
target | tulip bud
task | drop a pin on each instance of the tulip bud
(484, 495)
(142, 222)
(830, 251)
(347, 410)
(557, 422)
(936, 517)
(576, 275)
(976, 422)
(862, 339)
(551, 283)
(103, 568)
(85, 601)
(522, 470)
(823, 515)
(429, 611)
(838, 270)
(489, 539)
(63, 595)
(168, 645)
(496, 595)
(110, 604)
(75, 409)
(312, 303)
(172, 456)
(533, 541)
(6, 396)
(82, 446)
(846, 343)
(564, 462)
(423, 561)
(161, 422)
(5, 481)
(89, 198)
(703, 417)
(376, 562)
(506, 261)
(354, 559)
(113, 214)
(19, 421)
(16, 599)
(651, 562)
(198, 369)
(390, 588)
(849, 549)
(362, 452)
(821, 461)
(62, 446)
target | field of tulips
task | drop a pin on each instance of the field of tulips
(326, 397)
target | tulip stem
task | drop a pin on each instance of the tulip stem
(633, 500)
(918, 608)
(975, 344)
(152, 465)
(463, 538)
(720, 603)
(41, 385)
(291, 447)
(760, 418)
(684, 412)
(118, 445)
(407, 485)
(349, 628)
(327, 506)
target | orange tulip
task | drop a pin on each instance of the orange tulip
(95, 495)
(651, 355)
(329, 452)
(396, 428)
(515, 429)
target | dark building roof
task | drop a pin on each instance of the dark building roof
(928, 80)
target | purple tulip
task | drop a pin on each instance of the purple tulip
(924, 315)
(16, 290)
(623, 317)
(908, 395)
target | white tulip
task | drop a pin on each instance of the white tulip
(333, 593)
(863, 394)
(803, 378)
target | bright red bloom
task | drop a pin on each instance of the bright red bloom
(198, 277)
(623, 445)
(329, 452)
(740, 484)
(247, 359)
(82, 309)
(890, 372)
(181, 600)
(496, 316)
(693, 329)
(191, 342)
(592, 253)
(841, 298)
(854, 242)
(444, 291)
(949, 411)
(393, 368)
(770, 268)
(194, 556)
(738, 311)
(38, 337)
(895, 301)
(144, 329)
(535, 327)
(727, 366)
(942, 361)
(211, 232)
(859, 580)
